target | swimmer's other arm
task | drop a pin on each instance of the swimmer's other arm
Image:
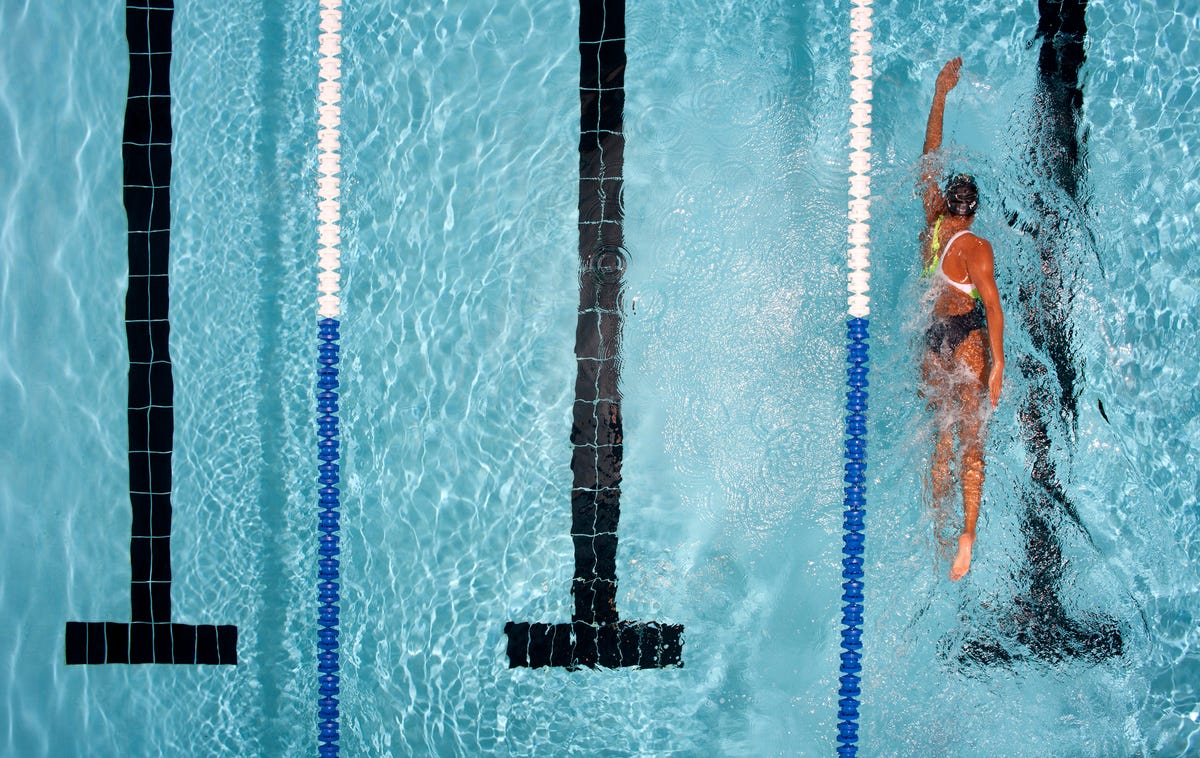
(981, 268)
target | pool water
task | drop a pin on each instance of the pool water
(460, 191)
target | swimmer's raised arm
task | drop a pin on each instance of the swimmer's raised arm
(947, 78)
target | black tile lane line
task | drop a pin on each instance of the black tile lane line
(149, 636)
(1038, 623)
(596, 635)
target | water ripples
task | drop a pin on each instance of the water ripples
(461, 290)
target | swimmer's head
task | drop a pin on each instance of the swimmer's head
(962, 195)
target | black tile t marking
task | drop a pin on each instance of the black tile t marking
(596, 635)
(149, 636)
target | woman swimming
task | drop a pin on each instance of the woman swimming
(964, 344)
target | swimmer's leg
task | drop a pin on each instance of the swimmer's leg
(971, 474)
(971, 469)
(943, 444)
(940, 481)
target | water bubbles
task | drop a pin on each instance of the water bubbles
(609, 264)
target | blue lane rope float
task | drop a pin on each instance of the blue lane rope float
(329, 96)
(858, 261)
(329, 548)
(853, 540)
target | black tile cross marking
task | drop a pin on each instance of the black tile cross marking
(149, 636)
(596, 635)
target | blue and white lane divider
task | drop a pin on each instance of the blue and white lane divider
(858, 260)
(329, 212)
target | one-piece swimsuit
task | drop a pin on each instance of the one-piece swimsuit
(946, 333)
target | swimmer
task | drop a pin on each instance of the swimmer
(964, 345)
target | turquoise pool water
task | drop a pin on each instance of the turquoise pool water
(460, 137)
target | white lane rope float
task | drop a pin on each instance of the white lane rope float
(329, 238)
(859, 302)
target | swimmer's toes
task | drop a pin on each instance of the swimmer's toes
(959, 569)
(962, 560)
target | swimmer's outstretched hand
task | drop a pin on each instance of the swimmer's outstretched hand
(996, 382)
(948, 77)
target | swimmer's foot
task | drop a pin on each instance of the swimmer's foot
(962, 561)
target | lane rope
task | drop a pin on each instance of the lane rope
(858, 280)
(329, 212)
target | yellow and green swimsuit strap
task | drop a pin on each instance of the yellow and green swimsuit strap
(935, 248)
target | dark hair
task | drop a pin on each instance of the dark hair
(962, 195)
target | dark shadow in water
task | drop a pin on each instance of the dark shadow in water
(1036, 624)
